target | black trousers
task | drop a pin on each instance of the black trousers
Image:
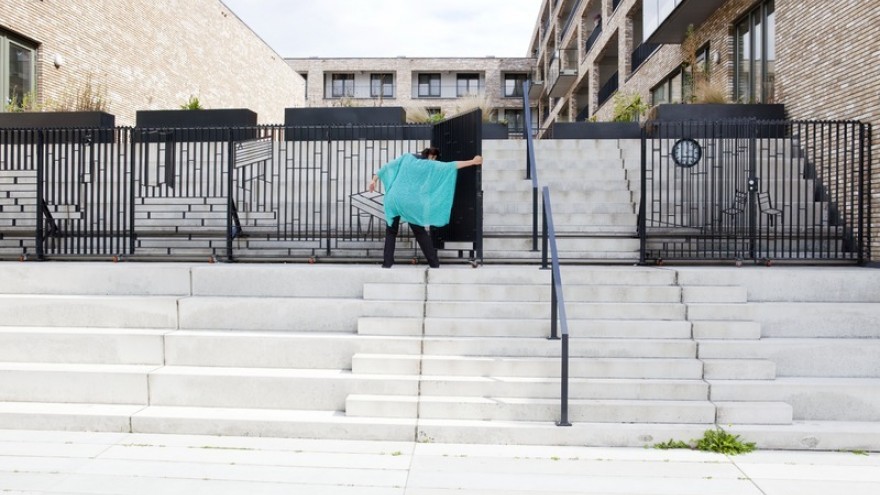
(421, 236)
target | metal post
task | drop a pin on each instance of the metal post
(643, 240)
(230, 159)
(554, 309)
(40, 179)
(563, 407)
(329, 190)
(544, 237)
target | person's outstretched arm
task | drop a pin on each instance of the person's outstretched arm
(477, 160)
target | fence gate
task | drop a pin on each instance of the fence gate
(755, 190)
(461, 138)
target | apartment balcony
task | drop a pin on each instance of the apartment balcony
(563, 72)
(536, 89)
(608, 89)
(641, 53)
(570, 21)
(673, 26)
(593, 37)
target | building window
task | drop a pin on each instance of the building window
(670, 90)
(755, 59)
(514, 119)
(467, 84)
(17, 72)
(513, 85)
(382, 85)
(342, 85)
(305, 76)
(429, 85)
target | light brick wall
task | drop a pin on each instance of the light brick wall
(154, 54)
(406, 72)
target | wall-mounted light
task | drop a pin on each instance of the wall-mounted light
(716, 57)
(58, 60)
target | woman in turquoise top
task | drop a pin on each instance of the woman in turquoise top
(419, 191)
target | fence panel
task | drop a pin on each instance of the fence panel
(755, 190)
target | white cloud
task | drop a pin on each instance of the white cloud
(389, 28)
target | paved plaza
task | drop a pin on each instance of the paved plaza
(34, 462)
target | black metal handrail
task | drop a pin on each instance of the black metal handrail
(591, 40)
(557, 303)
(641, 53)
(608, 89)
(531, 166)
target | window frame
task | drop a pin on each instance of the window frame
(469, 79)
(679, 73)
(755, 83)
(430, 79)
(342, 77)
(518, 78)
(8, 39)
(382, 85)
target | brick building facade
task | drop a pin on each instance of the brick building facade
(440, 85)
(823, 65)
(143, 55)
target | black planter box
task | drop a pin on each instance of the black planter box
(493, 130)
(60, 127)
(346, 123)
(718, 120)
(595, 130)
(719, 111)
(195, 125)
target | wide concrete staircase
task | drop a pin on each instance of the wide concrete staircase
(449, 355)
(594, 186)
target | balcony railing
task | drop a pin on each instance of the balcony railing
(608, 89)
(571, 17)
(563, 72)
(593, 37)
(641, 53)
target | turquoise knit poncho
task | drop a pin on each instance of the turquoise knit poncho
(419, 191)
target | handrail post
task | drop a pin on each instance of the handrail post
(531, 167)
(544, 239)
(554, 308)
(563, 379)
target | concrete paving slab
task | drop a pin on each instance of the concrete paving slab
(61, 463)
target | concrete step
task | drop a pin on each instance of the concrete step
(485, 366)
(75, 383)
(811, 357)
(559, 207)
(264, 388)
(521, 194)
(578, 347)
(82, 345)
(285, 314)
(819, 399)
(562, 220)
(739, 369)
(579, 388)
(605, 170)
(624, 311)
(494, 327)
(89, 311)
(518, 409)
(67, 417)
(753, 413)
(726, 330)
(255, 349)
(536, 293)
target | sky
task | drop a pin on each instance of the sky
(391, 28)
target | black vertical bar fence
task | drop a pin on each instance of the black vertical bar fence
(756, 190)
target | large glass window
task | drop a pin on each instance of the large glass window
(429, 85)
(755, 61)
(342, 85)
(670, 90)
(468, 84)
(382, 85)
(17, 76)
(513, 85)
